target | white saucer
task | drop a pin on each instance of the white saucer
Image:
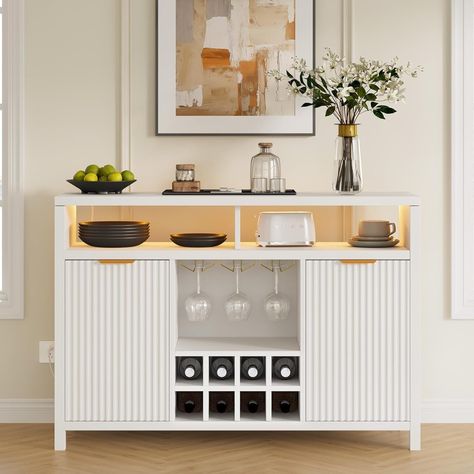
(374, 243)
(372, 239)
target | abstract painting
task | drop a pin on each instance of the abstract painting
(213, 62)
(224, 50)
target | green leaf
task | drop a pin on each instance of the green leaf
(303, 90)
(307, 104)
(319, 103)
(374, 87)
(360, 91)
(355, 84)
(373, 104)
(302, 78)
(370, 97)
(387, 110)
(379, 114)
(288, 73)
(330, 111)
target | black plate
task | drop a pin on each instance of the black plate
(216, 192)
(118, 231)
(114, 236)
(97, 187)
(198, 239)
(106, 242)
(114, 224)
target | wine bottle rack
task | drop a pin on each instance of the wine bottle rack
(236, 391)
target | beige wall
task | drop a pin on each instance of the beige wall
(72, 113)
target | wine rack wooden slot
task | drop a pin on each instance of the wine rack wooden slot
(285, 406)
(252, 406)
(189, 406)
(221, 371)
(253, 370)
(222, 406)
(187, 367)
(285, 371)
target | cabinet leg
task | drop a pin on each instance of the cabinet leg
(415, 437)
(59, 438)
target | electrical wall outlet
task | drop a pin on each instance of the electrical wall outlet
(46, 352)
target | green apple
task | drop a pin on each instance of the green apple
(92, 169)
(114, 177)
(102, 178)
(108, 169)
(128, 175)
(79, 176)
(91, 177)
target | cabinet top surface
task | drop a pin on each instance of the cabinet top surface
(300, 199)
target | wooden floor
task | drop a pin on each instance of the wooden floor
(447, 449)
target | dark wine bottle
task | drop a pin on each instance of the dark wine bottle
(252, 402)
(252, 368)
(189, 402)
(222, 368)
(285, 402)
(284, 368)
(190, 368)
(221, 402)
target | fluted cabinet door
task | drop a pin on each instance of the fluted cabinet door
(116, 340)
(358, 340)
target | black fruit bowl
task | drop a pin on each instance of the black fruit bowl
(198, 239)
(104, 241)
(101, 187)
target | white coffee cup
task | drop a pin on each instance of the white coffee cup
(376, 228)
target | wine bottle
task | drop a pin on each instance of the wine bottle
(252, 402)
(189, 402)
(284, 368)
(221, 402)
(190, 368)
(222, 368)
(285, 402)
(252, 368)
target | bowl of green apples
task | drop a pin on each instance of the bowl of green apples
(102, 180)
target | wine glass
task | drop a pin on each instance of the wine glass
(277, 305)
(198, 305)
(237, 306)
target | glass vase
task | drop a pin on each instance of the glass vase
(264, 167)
(347, 165)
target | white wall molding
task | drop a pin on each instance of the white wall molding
(125, 85)
(11, 305)
(462, 168)
(348, 30)
(27, 410)
(42, 410)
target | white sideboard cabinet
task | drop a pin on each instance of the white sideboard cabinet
(121, 329)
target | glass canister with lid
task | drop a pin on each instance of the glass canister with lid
(264, 167)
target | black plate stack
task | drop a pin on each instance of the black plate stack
(114, 233)
(198, 239)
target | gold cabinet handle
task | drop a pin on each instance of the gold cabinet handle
(115, 262)
(357, 262)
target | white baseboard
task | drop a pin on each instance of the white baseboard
(25, 410)
(458, 410)
(42, 411)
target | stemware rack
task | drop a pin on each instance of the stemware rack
(121, 325)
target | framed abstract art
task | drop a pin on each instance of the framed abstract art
(213, 59)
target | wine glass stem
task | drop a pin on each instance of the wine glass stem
(237, 280)
(276, 281)
(198, 281)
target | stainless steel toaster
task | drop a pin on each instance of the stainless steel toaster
(293, 228)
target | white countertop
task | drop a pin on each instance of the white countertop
(300, 199)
